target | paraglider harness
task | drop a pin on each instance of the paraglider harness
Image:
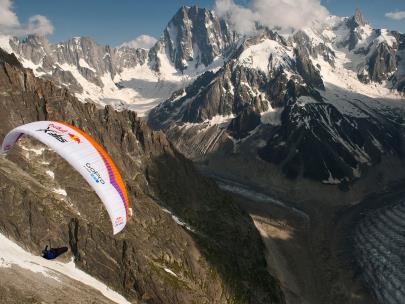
(53, 253)
(49, 254)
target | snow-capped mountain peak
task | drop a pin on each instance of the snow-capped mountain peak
(319, 89)
(193, 37)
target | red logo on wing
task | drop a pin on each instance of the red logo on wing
(74, 137)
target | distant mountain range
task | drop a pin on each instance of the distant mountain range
(194, 41)
(323, 103)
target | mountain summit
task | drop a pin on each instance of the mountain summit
(193, 37)
(357, 19)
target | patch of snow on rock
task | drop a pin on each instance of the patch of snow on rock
(258, 56)
(84, 64)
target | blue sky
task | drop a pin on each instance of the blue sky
(115, 21)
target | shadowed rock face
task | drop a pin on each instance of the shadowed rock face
(318, 131)
(381, 63)
(215, 257)
(305, 43)
(307, 70)
(245, 122)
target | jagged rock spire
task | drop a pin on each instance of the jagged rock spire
(194, 36)
(357, 19)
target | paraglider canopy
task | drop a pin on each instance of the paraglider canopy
(87, 157)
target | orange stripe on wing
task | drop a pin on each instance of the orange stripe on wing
(105, 157)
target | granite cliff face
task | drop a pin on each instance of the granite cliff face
(187, 242)
(193, 37)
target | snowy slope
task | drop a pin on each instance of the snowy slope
(12, 254)
(268, 55)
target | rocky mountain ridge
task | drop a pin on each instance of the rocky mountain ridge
(178, 245)
(193, 41)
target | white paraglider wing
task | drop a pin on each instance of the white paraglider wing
(87, 157)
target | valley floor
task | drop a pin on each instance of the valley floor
(312, 255)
